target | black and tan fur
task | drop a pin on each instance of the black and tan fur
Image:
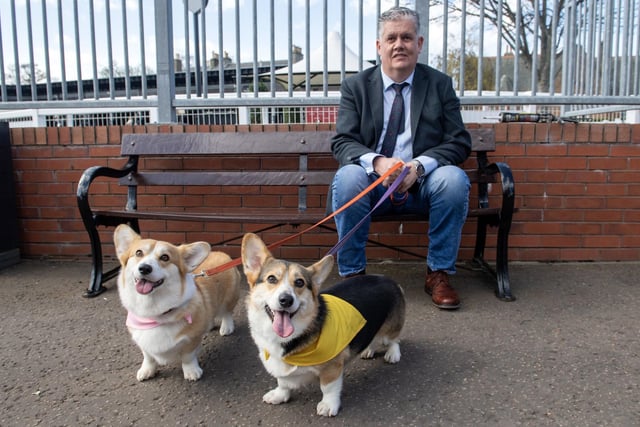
(281, 288)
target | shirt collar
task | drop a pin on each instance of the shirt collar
(387, 81)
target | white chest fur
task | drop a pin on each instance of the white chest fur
(161, 342)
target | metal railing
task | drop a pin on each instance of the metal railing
(73, 62)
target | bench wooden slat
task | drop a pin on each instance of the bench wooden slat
(229, 178)
(245, 215)
(245, 178)
(482, 139)
(226, 143)
(263, 215)
(162, 144)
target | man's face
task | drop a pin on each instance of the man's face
(399, 48)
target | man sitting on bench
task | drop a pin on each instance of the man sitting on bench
(374, 133)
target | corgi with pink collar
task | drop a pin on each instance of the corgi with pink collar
(305, 334)
(169, 310)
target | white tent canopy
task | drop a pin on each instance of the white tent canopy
(352, 65)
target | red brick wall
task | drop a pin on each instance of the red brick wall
(577, 190)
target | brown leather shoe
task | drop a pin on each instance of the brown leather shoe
(442, 294)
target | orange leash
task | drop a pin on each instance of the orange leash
(238, 261)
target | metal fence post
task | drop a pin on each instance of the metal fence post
(165, 72)
(422, 8)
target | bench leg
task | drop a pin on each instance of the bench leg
(96, 280)
(98, 275)
(503, 222)
(501, 273)
(502, 266)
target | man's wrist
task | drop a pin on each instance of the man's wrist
(419, 168)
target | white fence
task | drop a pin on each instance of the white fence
(73, 62)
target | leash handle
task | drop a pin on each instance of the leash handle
(238, 261)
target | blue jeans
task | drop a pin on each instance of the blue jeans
(443, 194)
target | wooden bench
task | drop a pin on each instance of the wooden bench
(233, 162)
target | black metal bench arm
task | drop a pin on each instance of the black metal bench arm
(503, 221)
(91, 221)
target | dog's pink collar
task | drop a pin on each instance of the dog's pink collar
(137, 322)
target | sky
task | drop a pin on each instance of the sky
(134, 41)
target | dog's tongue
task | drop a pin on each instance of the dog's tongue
(144, 286)
(282, 324)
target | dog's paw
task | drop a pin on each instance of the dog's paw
(393, 353)
(192, 373)
(367, 353)
(328, 409)
(145, 372)
(277, 396)
(227, 326)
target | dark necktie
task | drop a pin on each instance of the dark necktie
(396, 121)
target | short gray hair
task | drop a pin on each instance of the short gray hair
(396, 13)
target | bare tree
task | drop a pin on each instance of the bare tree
(471, 61)
(119, 71)
(25, 74)
(521, 38)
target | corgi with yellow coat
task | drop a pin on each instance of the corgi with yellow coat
(305, 334)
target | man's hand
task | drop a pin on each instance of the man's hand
(382, 164)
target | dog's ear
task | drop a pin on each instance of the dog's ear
(320, 270)
(193, 254)
(254, 255)
(123, 238)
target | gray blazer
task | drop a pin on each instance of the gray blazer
(436, 122)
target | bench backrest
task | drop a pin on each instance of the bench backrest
(270, 148)
(228, 143)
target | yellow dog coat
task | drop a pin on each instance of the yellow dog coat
(342, 324)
